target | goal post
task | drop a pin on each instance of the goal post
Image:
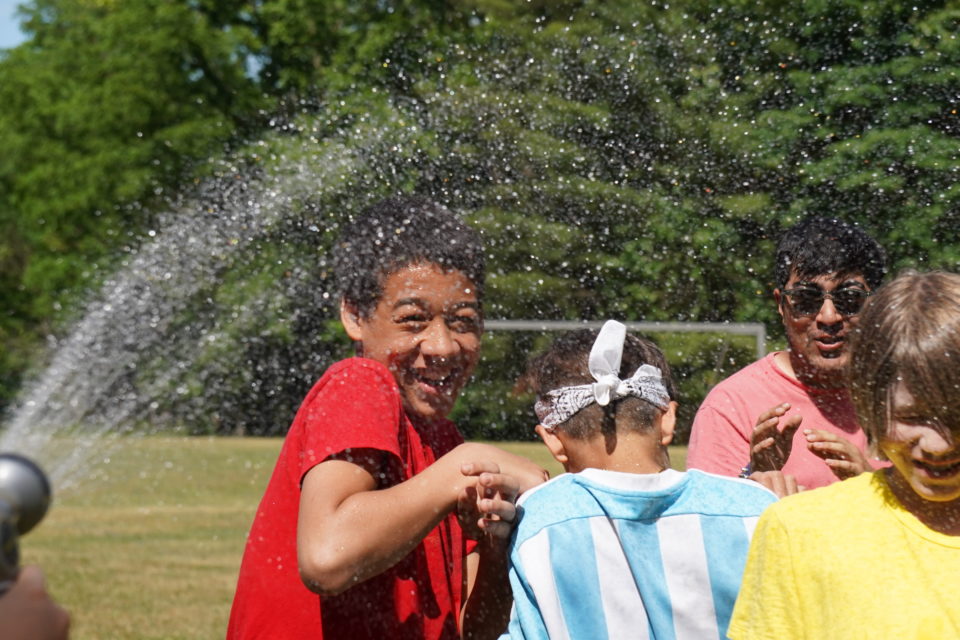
(755, 329)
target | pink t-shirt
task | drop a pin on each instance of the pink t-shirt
(720, 439)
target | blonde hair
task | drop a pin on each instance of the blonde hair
(908, 332)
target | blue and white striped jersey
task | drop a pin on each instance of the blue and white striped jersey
(604, 554)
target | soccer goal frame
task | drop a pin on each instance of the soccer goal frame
(755, 329)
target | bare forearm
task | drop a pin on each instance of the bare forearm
(345, 541)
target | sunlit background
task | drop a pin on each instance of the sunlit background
(10, 34)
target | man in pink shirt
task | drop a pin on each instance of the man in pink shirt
(791, 410)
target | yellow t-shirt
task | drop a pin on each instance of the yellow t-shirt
(848, 561)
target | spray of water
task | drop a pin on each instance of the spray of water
(147, 316)
(566, 169)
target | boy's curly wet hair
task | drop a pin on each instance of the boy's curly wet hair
(398, 232)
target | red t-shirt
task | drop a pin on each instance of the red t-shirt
(356, 404)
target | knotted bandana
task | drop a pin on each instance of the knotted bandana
(557, 406)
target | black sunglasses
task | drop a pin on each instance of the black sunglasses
(807, 301)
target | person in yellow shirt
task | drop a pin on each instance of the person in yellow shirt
(876, 556)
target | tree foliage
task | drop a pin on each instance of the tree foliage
(622, 159)
(105, 105)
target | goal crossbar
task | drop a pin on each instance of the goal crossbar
(755, 329)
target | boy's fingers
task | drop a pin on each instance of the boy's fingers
(772, 480)
(502, 483)
(476, 468)
(498, 509)
(775, 483)
(780, 483)
(791, 485)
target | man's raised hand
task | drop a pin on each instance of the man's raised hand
(770, 444)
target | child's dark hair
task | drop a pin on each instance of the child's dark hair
(398, 232)
(565, 364)
(818, 246)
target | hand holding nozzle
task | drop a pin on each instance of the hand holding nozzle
(24, 499)
(27, 612)
(26, 609)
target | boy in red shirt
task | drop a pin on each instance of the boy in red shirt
(357, 535)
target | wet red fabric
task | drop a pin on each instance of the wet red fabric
(356, 404)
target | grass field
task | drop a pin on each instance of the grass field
(149, 547)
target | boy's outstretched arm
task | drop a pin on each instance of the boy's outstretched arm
(348, 530)
(488, 513)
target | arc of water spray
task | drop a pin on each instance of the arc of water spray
(85, 396)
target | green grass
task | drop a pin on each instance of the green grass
(150, 545)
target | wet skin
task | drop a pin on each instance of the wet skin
(925, 453)
(426, 329)
(818, 352)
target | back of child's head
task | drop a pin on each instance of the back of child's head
(908, 332)
(566, 364)
(398, 232)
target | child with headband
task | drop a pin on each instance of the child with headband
(623, 546)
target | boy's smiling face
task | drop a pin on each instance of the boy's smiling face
(926, 454)
(426, 329)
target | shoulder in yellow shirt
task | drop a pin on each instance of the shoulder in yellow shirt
(848, 561)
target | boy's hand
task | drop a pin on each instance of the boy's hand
(778, 482)
(487, 508)
(527, 473)
(488, 513)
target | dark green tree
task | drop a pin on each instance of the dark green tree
(844, 108)
(105, 105)
(623, 159)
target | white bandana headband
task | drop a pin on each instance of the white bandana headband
(557, 406)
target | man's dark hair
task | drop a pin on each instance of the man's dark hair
(566, 363)
(818, 246)
(398, 232)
